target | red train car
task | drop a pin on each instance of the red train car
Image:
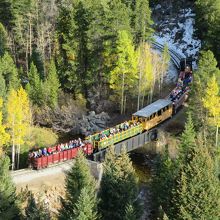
(45, 161)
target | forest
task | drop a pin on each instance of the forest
(60, 60)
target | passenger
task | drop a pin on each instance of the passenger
(66, 146)
(49, 150)
(62, 147)
(58, 149)
(44, 151)
(39, 153)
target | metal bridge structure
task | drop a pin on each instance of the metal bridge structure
(130, 144)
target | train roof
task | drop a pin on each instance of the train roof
(152, 108)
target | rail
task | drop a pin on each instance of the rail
(175, 57)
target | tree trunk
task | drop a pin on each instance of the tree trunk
(125, 104)
(18, 156)
(138, 102)
(13, 157)
(122, 93)
(216, 138)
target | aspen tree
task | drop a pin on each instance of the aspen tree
(18, 120)
(211, 102)
(164, 65)
(145, 70)
(124, 74)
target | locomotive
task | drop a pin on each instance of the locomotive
(141, 121)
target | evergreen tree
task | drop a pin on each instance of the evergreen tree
(78, 177)
(3, 40)
(130, 213)
(164, 181)
(8, 201)
(51, 86)
(187, 144)
(124, 74)
(207, 67)
(66, 57)
(9, 71)
(142, 21)
(86, 206)
(197, 194)
(34, 86)
(36, 210)
(118, 187)
(2, 86)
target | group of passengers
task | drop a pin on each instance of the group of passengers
(56, 149)
(115, 130)
(181, 88)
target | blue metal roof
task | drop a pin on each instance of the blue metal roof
(152, 108)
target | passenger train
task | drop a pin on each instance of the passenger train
(141, 121)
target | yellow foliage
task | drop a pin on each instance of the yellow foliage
(211, 101)
(19, 115)
(4, 137)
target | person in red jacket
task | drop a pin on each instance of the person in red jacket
(49, 150)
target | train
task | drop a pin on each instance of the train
(141, 121)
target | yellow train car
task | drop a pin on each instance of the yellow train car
(154, 114)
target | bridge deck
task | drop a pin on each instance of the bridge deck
(130, 144)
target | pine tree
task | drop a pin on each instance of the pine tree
(86, 206)
(2, 86)
(51, 86)
(197, 194)
(187, 142)
(36, 210)
(3, 40)
(9, 71)
(78, 177)
(142, 21)
(130, 213)
(66, 57)
(211, 101)
(118, 187)
(8, 201)
(34, 86)
(207, 67)
(124, 75)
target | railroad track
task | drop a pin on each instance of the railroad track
(175, 57)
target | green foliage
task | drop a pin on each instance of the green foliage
(197, 194)
(86, 206)
(8, 201)
(164, 181)
(119, 187)
(142, 21)
(36, 210)
(66, 57)
(40, 137)
(130, 213)
(207, 67)
(208, 23)
(3, 40)
(2, 86)
(124, 75)
(51, 86)
(34, 86)
(9, 71)
(187, 142)
(78, 177)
